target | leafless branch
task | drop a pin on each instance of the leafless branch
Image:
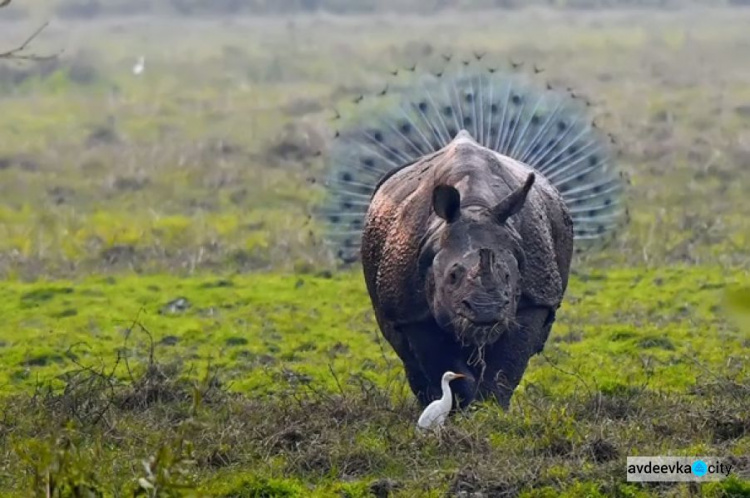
(16, 53)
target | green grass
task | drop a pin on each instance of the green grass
(121, 195)
(266, 376)
(614, 320)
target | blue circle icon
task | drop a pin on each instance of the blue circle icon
(699, 468)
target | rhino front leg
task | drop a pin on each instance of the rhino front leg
(507, 359)
(435, 353)
(418, 382)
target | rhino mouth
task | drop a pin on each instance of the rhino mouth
(470, 331)
(469, 321)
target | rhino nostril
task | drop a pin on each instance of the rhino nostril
(466, 304)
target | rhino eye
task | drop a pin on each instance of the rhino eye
(454, 275)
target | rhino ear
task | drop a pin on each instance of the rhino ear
(446, 201)
(514, 202)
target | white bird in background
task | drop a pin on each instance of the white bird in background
(436, 412)
(139, 66)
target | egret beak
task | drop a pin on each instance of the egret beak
(459, 376)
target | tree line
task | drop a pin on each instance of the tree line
(87, 9)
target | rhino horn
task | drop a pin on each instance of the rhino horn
(486, 263)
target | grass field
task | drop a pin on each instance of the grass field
(166, 297)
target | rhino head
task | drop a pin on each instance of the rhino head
(473, 265)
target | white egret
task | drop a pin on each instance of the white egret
(139, 66)
(436, 412)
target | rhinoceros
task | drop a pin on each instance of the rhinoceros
(464, 202)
